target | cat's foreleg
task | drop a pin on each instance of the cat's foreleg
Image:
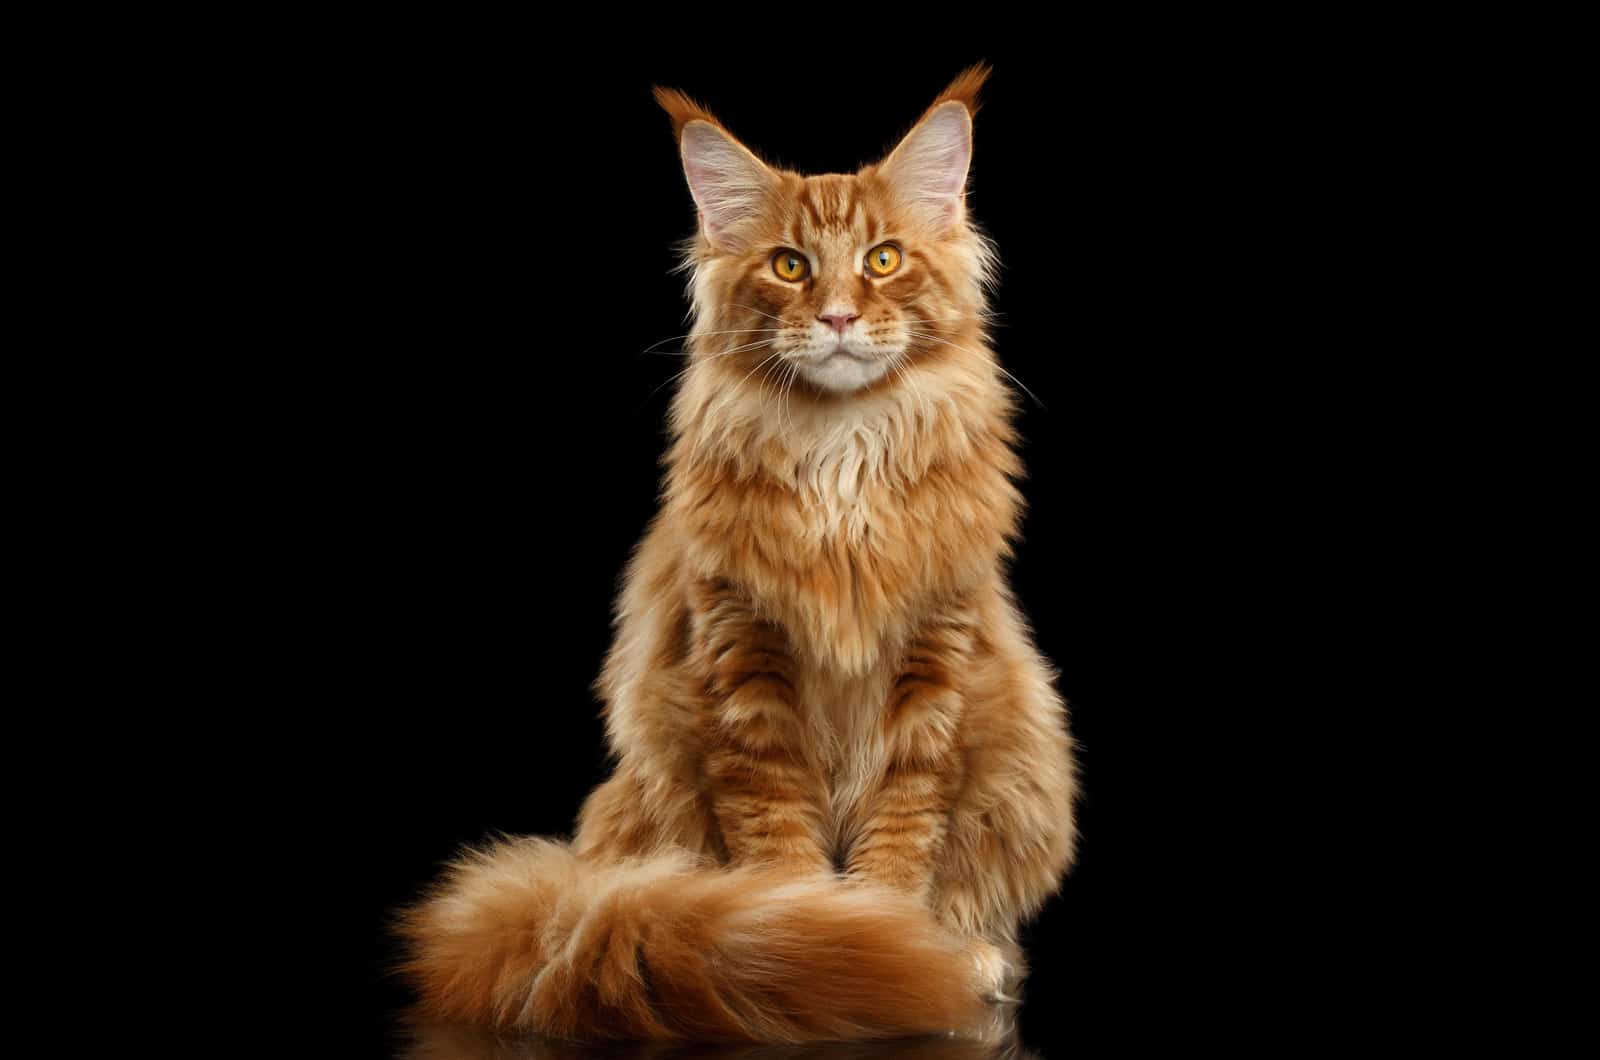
(899, 840)
(765, 792)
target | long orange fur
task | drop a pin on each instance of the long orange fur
(843, 774)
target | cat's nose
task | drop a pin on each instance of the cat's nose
(838, 321)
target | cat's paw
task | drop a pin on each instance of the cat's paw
(995, 972)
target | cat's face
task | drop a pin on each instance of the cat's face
(838, 279)
(840, 282)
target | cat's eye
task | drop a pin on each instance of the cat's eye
(883, 259)
(790, 265)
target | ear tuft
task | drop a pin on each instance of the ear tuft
(964, 89)
(681, 109)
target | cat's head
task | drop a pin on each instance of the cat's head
(840, 282)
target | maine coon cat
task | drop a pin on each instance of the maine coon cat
(843, 775)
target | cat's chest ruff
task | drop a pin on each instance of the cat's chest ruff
(851, 576)
(839, 486)
(829, 550)
(852, 505)
(843, 530)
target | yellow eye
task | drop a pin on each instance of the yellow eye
(883, 259)
(791, 265)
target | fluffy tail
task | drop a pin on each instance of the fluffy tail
(524, 936)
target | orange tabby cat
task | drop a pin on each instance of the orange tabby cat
(842, 774)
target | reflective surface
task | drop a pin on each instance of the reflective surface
(441, 1042)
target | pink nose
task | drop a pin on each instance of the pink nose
(839, 321)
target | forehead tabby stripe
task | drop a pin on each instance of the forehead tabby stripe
(808, 207)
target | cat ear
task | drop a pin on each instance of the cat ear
(730, 185)
(928, 170)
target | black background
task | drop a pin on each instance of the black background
(468, 249)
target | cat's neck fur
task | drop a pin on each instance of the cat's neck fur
(847, 519)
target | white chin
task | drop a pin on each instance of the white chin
(842, 373)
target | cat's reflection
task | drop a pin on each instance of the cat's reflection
(441, 1042)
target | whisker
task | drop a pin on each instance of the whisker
(1020, 383)
(769, 316)
(982, 314)
(740, 349)
(778, 396)
(751, 372)
(730, 331)
(995, 360)
(709, 357)
(791, 373)
(898, 362)
(675, 377)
